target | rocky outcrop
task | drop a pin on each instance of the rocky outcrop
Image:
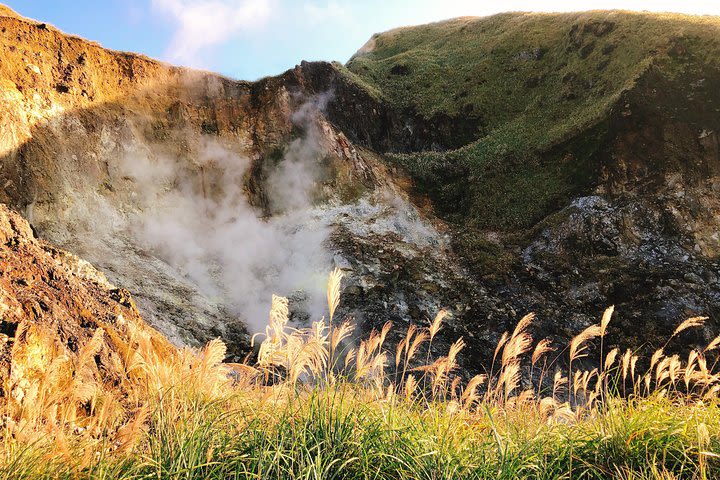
(645, 238)
(48, 295)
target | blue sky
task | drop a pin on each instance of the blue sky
(249, 39)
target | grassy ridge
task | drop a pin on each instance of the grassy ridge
(317, 405)
(522, 71)
(531, 82)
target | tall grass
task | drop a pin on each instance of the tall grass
(316, 404)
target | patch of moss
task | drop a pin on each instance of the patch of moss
(492, 185)
(490, 259)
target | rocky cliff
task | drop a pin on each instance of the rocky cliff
(204, 195)
(548, 163)
(53, 304)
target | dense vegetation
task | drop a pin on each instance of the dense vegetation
(317, 404)
(538, 87)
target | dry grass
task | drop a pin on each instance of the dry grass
(178, 411)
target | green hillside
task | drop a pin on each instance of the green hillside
(532, 83)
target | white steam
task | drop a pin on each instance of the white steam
(198, 219)
(290, 185)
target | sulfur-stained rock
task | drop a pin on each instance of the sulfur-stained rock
(41, 289)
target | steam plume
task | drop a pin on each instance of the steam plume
(198, 220)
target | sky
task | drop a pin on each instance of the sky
(250, 39)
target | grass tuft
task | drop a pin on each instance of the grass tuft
(301, 412)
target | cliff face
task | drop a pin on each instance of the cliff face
(432, 184)
(202, 195)
(72, 112)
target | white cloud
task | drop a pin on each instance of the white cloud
(206, 23)
(330, 11)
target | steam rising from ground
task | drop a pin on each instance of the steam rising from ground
(198, 219)
(174, 224)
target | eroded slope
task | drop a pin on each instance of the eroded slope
(52, 303)
(202, 195)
